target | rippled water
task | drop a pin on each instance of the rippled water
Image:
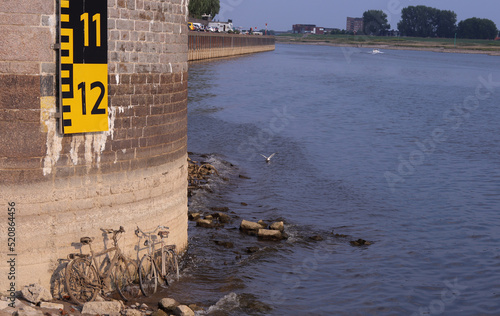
(401, 149)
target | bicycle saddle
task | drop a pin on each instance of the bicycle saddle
(86, 240)
(163, 233)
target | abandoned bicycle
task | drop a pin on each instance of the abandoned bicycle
(84, 278)
(158, 264)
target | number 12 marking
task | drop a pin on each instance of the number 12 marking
(95, 109)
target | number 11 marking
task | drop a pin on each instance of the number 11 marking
(97, 19)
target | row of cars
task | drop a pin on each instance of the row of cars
(201, 28)
(222, 27)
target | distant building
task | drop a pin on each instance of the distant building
(303, 28)
(354, 25)
(331, 29)
(318, 30)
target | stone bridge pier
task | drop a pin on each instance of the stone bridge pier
(56, 188)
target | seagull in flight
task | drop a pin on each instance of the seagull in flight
(268, 159)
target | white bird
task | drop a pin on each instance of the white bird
(268, 159)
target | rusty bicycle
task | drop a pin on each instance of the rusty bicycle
(157, 264)
(84, 278)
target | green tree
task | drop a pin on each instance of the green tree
(419, 21)
(476, 28)
(375, 22)
(199, 7)
(446, 23)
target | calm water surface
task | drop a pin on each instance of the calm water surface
(401, 149)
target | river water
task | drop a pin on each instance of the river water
(401, 149)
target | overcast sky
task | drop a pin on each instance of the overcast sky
(280, 15)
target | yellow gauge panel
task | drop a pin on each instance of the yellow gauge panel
(84, 66)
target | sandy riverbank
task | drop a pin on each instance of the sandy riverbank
(438, 49)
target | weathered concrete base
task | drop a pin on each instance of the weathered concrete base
(51, 218)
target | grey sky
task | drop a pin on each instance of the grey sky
(282, 14)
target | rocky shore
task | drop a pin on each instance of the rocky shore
(229, 235)
(34, 300)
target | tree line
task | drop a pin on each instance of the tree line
(423, 21)
(197, 8)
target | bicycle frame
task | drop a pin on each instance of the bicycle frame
(87, 275)
(104, 276)
(159, 270)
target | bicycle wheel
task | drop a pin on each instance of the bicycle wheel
(148, 276)
(82, 280)
(126, 279)
(171, 266)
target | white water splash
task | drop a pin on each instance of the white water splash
(227, 303)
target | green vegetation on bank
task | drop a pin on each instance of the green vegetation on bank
(410, 42)
(423, 21)
(197, 8)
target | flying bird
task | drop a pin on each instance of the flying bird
(268, 159)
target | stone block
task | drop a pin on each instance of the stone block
(168, 304)
(268, 234)
(49, 305)
(249, 226)
(183, 310)
(102, 308)
(278, 226)
(35, 293)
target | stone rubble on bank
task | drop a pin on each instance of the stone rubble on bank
(171, 306)
(103, 308)
(49, 305)
(360, 242)
(259, 229)
(198, 174)
(36, 293)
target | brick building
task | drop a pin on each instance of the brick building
(303, 28)
(354, 25)
(318, 30)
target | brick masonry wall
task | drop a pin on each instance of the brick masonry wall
(70, 186)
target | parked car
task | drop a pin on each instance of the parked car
(198, 27)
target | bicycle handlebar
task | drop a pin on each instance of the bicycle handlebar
(147, 234)
(110, 230)
(114, 232)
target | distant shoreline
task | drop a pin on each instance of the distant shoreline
(394, 47)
